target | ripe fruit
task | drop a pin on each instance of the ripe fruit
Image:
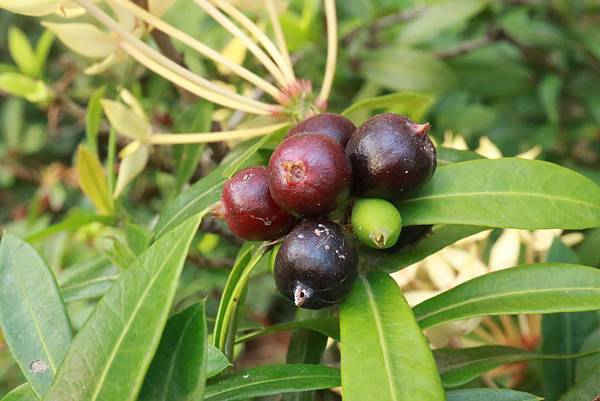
(247, 207)
(334, 126)
(391, 156)
(376, 223)
(316, 265)
(309, 174)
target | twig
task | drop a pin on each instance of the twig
(465, 47)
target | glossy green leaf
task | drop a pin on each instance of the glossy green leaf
(178, 370)
(584, 390)
(563, 333)
(42, 49)
(226, 319)
(93, 118)
(405, 69)
(413, 105)
(487, 394)
(93, 180)
(395, 259)
(21, 393)
(502, 192)
(34, 321)
(110, 354)
(22, 52)
(328, 326)
(447, 156)
(459, 366)
(538, 288)
(438, 18)
(216, 362)
(271, 380)
(196, 118)
(379, 335)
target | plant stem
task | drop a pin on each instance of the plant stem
(110, 159)
(285, 67)
(173, 71)
(198, 46)
(279, 38)
(205, 137)
(237, 32)
(331, 51)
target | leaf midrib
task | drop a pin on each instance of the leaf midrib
(504, 193)
(253, 384)
(125, 330)
(380, 337)
(503, 295)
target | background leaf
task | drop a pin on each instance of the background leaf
(539, 288)
(22, 52)
(379, 335)
(487, 394)
(585, 389)
(500, 193)
(21, 393)
(270, 380)
(93, 181)
(178, 370)
(32, 315)
(412, 105)
(216, 362)
(93, 118)
(110, 354)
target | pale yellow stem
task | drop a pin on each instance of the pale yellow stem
(279, 38)
(237, 32)
(248, 24)
(332, 44)
(198, 46)
(205, 137)
(173, 71)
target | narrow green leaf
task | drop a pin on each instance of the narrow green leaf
(501, 192)
(395, 259)
(459, 366)
(42, 49)
(538, 288)
(413, 105)
(549, 93)
(487, 394)
(379, 335)
(21, 393)
(271, 380)
(75, 219)
(328, 326)
(89, 289)
(93, 117)
(447, 156)
(23, 86)
(93, 181)
(439, 17)
(178, 370)
(584, 390)
(216, 362)
(34, 321)
(22, 52)
(587, 251)
(110, 354)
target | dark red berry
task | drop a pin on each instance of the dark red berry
(309, 174)
(247, 207)
(317, 264)
(334, 126)
(391, 156)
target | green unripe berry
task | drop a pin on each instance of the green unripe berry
(376, 222)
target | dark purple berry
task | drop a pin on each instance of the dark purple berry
(309, 175)
(248, 209)
(334, 126)
(317, 264)
(391, 156)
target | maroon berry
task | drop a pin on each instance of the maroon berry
(247, 207)
(391, 156)
(309, 174)
(316, 264)
(334, 126)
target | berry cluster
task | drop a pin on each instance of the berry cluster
(311, 176)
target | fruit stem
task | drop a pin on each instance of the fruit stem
(332, 44)
(207, 137)
(280, 39)
(279, 58)
(172, 71)
(198, 46)
(250, 45)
